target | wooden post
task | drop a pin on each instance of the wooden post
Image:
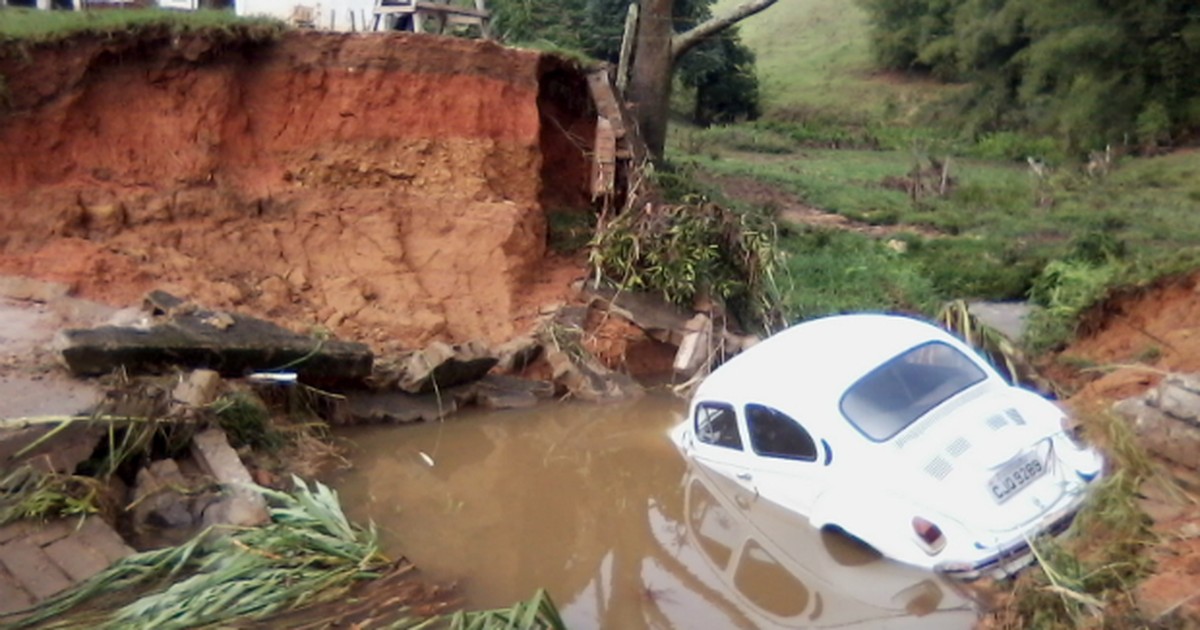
(627, 40)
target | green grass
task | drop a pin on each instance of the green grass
(32, 26)
(836, 272)
(1000, 207)
(816, 53)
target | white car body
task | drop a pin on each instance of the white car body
(915, 444)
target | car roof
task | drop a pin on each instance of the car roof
(812, 363)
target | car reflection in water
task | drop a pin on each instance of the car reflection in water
(754, 564)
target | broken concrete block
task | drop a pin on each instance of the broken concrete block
(158, 499)
(661, 320)
(1179, 396)
(232, 344)
(198, 389)
(1161, 434)
(517, 354)
(61, 452)
(442, 366)
(241, 505)
(695, 347)
(588, 380)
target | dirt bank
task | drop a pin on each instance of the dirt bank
(390, 188)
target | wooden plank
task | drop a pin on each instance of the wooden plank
(606, 100)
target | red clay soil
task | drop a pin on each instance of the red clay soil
(1129, 341)
(391, 188)
(1125, 347)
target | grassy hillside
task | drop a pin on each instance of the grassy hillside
(815, 54)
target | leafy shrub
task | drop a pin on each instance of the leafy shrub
(1063, 290)
(691, 250)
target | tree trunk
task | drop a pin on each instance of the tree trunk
(657, 50)
(650, 85)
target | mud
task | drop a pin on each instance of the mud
(389, 188)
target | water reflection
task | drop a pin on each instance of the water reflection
(595, 504)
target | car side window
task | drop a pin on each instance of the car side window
(716, 424)
(775, 434)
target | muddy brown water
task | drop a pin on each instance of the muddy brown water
(595, 504)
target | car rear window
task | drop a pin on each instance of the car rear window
(895, 394)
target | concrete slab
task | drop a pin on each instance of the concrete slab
(1010, 318)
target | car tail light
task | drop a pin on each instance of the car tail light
(929, 535)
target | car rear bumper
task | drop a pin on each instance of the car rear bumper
(1008, 558)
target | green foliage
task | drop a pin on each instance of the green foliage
(27, 493)
(836, 272)
(1086, 72)
(1016, 146)
(719, 72)
(247, 422)
(538, 613)
(29, 25)
(308, 554)
(747, 137)
(690, 250)
(1063, 291)
(975, 268)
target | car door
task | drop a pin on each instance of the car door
(720, 441)
(788, 464)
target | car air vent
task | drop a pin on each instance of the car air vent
(958, 447)
(1015, 416)
(938, 468)
(997, 422)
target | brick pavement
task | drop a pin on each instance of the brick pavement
(39, 560)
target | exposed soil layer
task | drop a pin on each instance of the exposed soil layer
(1125, 346)
(387, 187)
(1128, 342)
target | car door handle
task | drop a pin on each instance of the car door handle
(745, 476)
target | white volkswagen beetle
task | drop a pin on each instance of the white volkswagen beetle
(896, 432)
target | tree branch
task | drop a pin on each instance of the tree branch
(685, 41)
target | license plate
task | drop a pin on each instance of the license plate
(1015, 476)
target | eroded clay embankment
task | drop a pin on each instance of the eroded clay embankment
(388, 187)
